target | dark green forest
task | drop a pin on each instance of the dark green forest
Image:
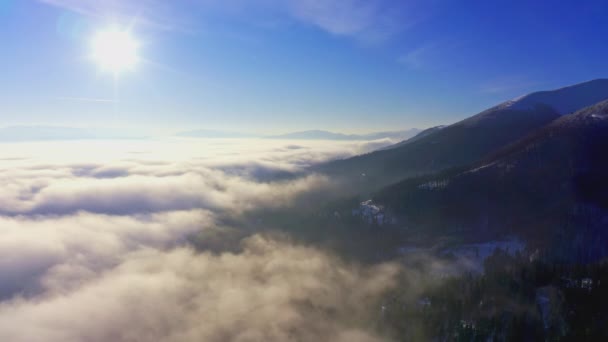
(515, 299)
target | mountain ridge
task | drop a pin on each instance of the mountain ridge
(466, 141)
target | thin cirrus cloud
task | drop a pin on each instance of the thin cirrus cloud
(367, 20)
(152, 13)
(418, 58)
(364, 20)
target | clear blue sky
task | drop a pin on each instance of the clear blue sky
(282, 65)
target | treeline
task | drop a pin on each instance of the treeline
(516, 299)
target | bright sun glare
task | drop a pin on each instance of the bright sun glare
(115, 50)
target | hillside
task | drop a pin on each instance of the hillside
(469, 140)
(549, 188)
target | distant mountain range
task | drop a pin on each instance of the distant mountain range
(304, 135)
(326, 135)
(214, 134)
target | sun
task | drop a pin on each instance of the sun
(115, 50)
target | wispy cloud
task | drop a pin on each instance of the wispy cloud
(364, 20)
(417, 58)
(152, 13)
(84, 99)
(368, 20)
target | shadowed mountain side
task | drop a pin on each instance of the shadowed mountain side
(550, 188)
(466, 141)
(455, 145)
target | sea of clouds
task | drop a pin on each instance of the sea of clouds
(94, 244)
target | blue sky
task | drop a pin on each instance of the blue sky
(274, 66)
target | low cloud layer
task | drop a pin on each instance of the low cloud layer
(270, 292)
(94, 245)
(155, 176)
